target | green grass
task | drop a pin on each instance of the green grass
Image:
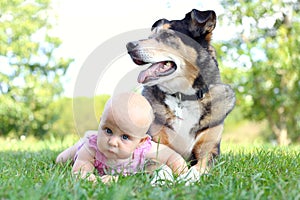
(261, 172)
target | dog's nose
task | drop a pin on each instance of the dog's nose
(131, 45)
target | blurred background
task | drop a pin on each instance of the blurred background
(44, 43)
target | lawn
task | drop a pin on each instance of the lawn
(28, 171)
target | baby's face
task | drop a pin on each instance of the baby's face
(116, 142)
(123, 127)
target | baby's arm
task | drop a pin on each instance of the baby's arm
(69, 153)
(84, 163)
(166, 155)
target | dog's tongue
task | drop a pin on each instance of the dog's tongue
(150, 72)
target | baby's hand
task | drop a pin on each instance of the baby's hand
(84, 175)
(92, 178)
(109, 178)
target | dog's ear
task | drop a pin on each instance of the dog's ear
(161, 24)
(202, 22)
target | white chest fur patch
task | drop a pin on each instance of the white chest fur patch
(187, 116)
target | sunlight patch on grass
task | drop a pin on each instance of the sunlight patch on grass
(34, 144)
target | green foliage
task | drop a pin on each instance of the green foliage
(79, 120)
(30, 72)
(241, 173)
(64, 122)
(262, 61)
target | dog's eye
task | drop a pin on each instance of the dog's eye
(165, 35)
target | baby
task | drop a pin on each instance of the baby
(121, 144)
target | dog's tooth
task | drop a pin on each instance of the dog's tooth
(168, 64)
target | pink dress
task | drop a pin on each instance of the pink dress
(136, 164)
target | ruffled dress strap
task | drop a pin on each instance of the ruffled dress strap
(139, 155)
(100, 159)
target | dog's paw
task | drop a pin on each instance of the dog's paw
(162, 176)
(191, 176)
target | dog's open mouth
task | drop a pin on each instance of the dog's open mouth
(156, 70)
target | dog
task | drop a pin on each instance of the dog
(184, 87)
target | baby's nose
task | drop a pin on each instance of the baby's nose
(113, 141)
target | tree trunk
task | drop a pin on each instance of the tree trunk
(282, 138)
(281, 135)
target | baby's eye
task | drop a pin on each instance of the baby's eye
(108, 131)
(125, 137)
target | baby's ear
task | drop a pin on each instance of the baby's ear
(142, 141)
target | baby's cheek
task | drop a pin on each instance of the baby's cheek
(101, 140)
(126, 153)
(98, 141)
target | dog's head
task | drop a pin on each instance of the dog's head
(177, 51)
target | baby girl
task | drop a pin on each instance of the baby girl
(121, 144)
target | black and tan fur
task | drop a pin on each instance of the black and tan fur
(184, 86)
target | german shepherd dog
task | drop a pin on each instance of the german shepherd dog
(184, 86)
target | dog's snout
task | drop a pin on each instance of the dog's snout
(131, 45)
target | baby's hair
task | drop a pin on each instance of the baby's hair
(132, 107)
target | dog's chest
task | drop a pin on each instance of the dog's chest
(187, 117)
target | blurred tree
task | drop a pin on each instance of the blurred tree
(262, 61)
(29, 72)
(87, 112)
(65, 124)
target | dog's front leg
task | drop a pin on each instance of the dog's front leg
(159, 134)
(179, 143)
(207, 147)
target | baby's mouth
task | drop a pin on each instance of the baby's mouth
(111, 151)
